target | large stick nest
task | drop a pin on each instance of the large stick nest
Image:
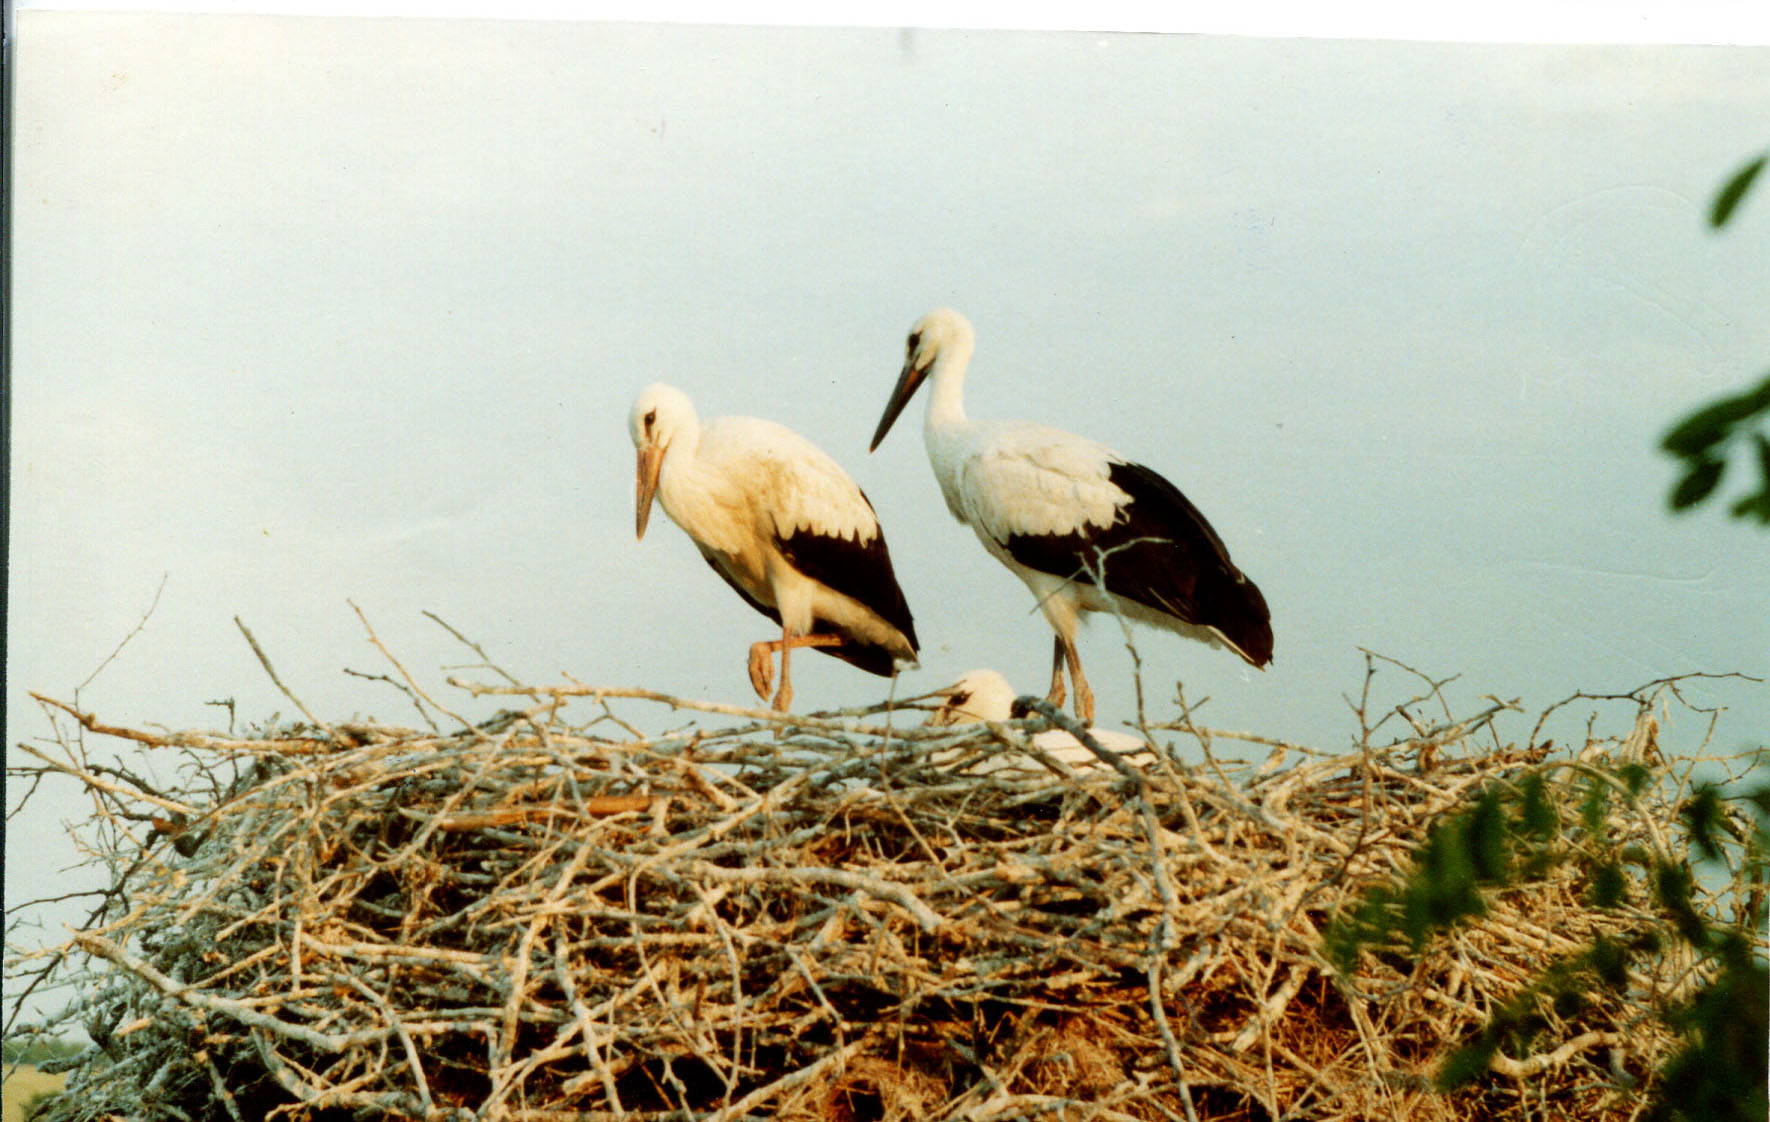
(552, 917)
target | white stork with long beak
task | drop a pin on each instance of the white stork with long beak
(1085, 528)
(785, 527)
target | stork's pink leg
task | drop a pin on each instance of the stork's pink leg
(1056, 696)
(762, 663)
(1084, 695)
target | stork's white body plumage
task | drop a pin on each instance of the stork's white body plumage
(1086, 529)
(984, 695)
(784, 525)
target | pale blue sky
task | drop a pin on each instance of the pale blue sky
(316, 309)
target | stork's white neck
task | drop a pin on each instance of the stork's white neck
(946, 390)
(684, 439)
(684, 483)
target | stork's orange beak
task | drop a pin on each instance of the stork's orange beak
(651, 461)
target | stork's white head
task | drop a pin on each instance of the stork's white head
(980, 695)
(942, 333)
(661, 414)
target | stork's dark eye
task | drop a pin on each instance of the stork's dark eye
(957, 700)
(651, 418)
(915, 340)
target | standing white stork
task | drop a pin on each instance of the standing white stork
(984, 695)
(1085, 528)
(785, 527)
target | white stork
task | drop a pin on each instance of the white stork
(785, 527)
(1085, 528)
(984, 695)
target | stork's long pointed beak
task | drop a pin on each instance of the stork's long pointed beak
(907, 384)
(951, 710)
(651, 461)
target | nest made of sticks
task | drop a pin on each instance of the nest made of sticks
(552, 917)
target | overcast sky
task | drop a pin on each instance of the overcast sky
(312, 309)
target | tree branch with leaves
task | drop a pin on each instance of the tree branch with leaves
(1707, 440)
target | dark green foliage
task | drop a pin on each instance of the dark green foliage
(1634, 777)
(1705, 440)
(1673, 884)
(1609, 961)
(1488, 839)
(1469, 1062)
(1608, 887)
(1567, 988)
(1460, 856)
(1696, 434)
(1702, 817)
(1512, 1026)
(1734, 191)
(1537, 820)
(1512, 836)
(1700, 480)
(1758, 505)
(1594, 806)
(1720, 1073)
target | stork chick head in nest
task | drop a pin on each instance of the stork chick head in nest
(978, 695)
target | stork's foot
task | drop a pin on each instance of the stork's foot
(1084, 703)
(762, 670)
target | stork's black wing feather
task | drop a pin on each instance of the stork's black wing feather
(858, 569)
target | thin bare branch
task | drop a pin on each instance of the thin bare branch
(264, 661)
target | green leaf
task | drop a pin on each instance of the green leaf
(1696, 434)
(1569, 1003)
(1538, 819)
(1467, 1063)
(1753, 506)
(1702, 817)
(1593, 809)
(1610, 961)
(1757, 505)
(1634, 777)
(1709, 425)
(1609, 887)
(1486, 839)
(1734, 191)
(1673, 885)
(1706, 427)
(1697, 484)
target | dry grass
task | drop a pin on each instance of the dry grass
(552, 918)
